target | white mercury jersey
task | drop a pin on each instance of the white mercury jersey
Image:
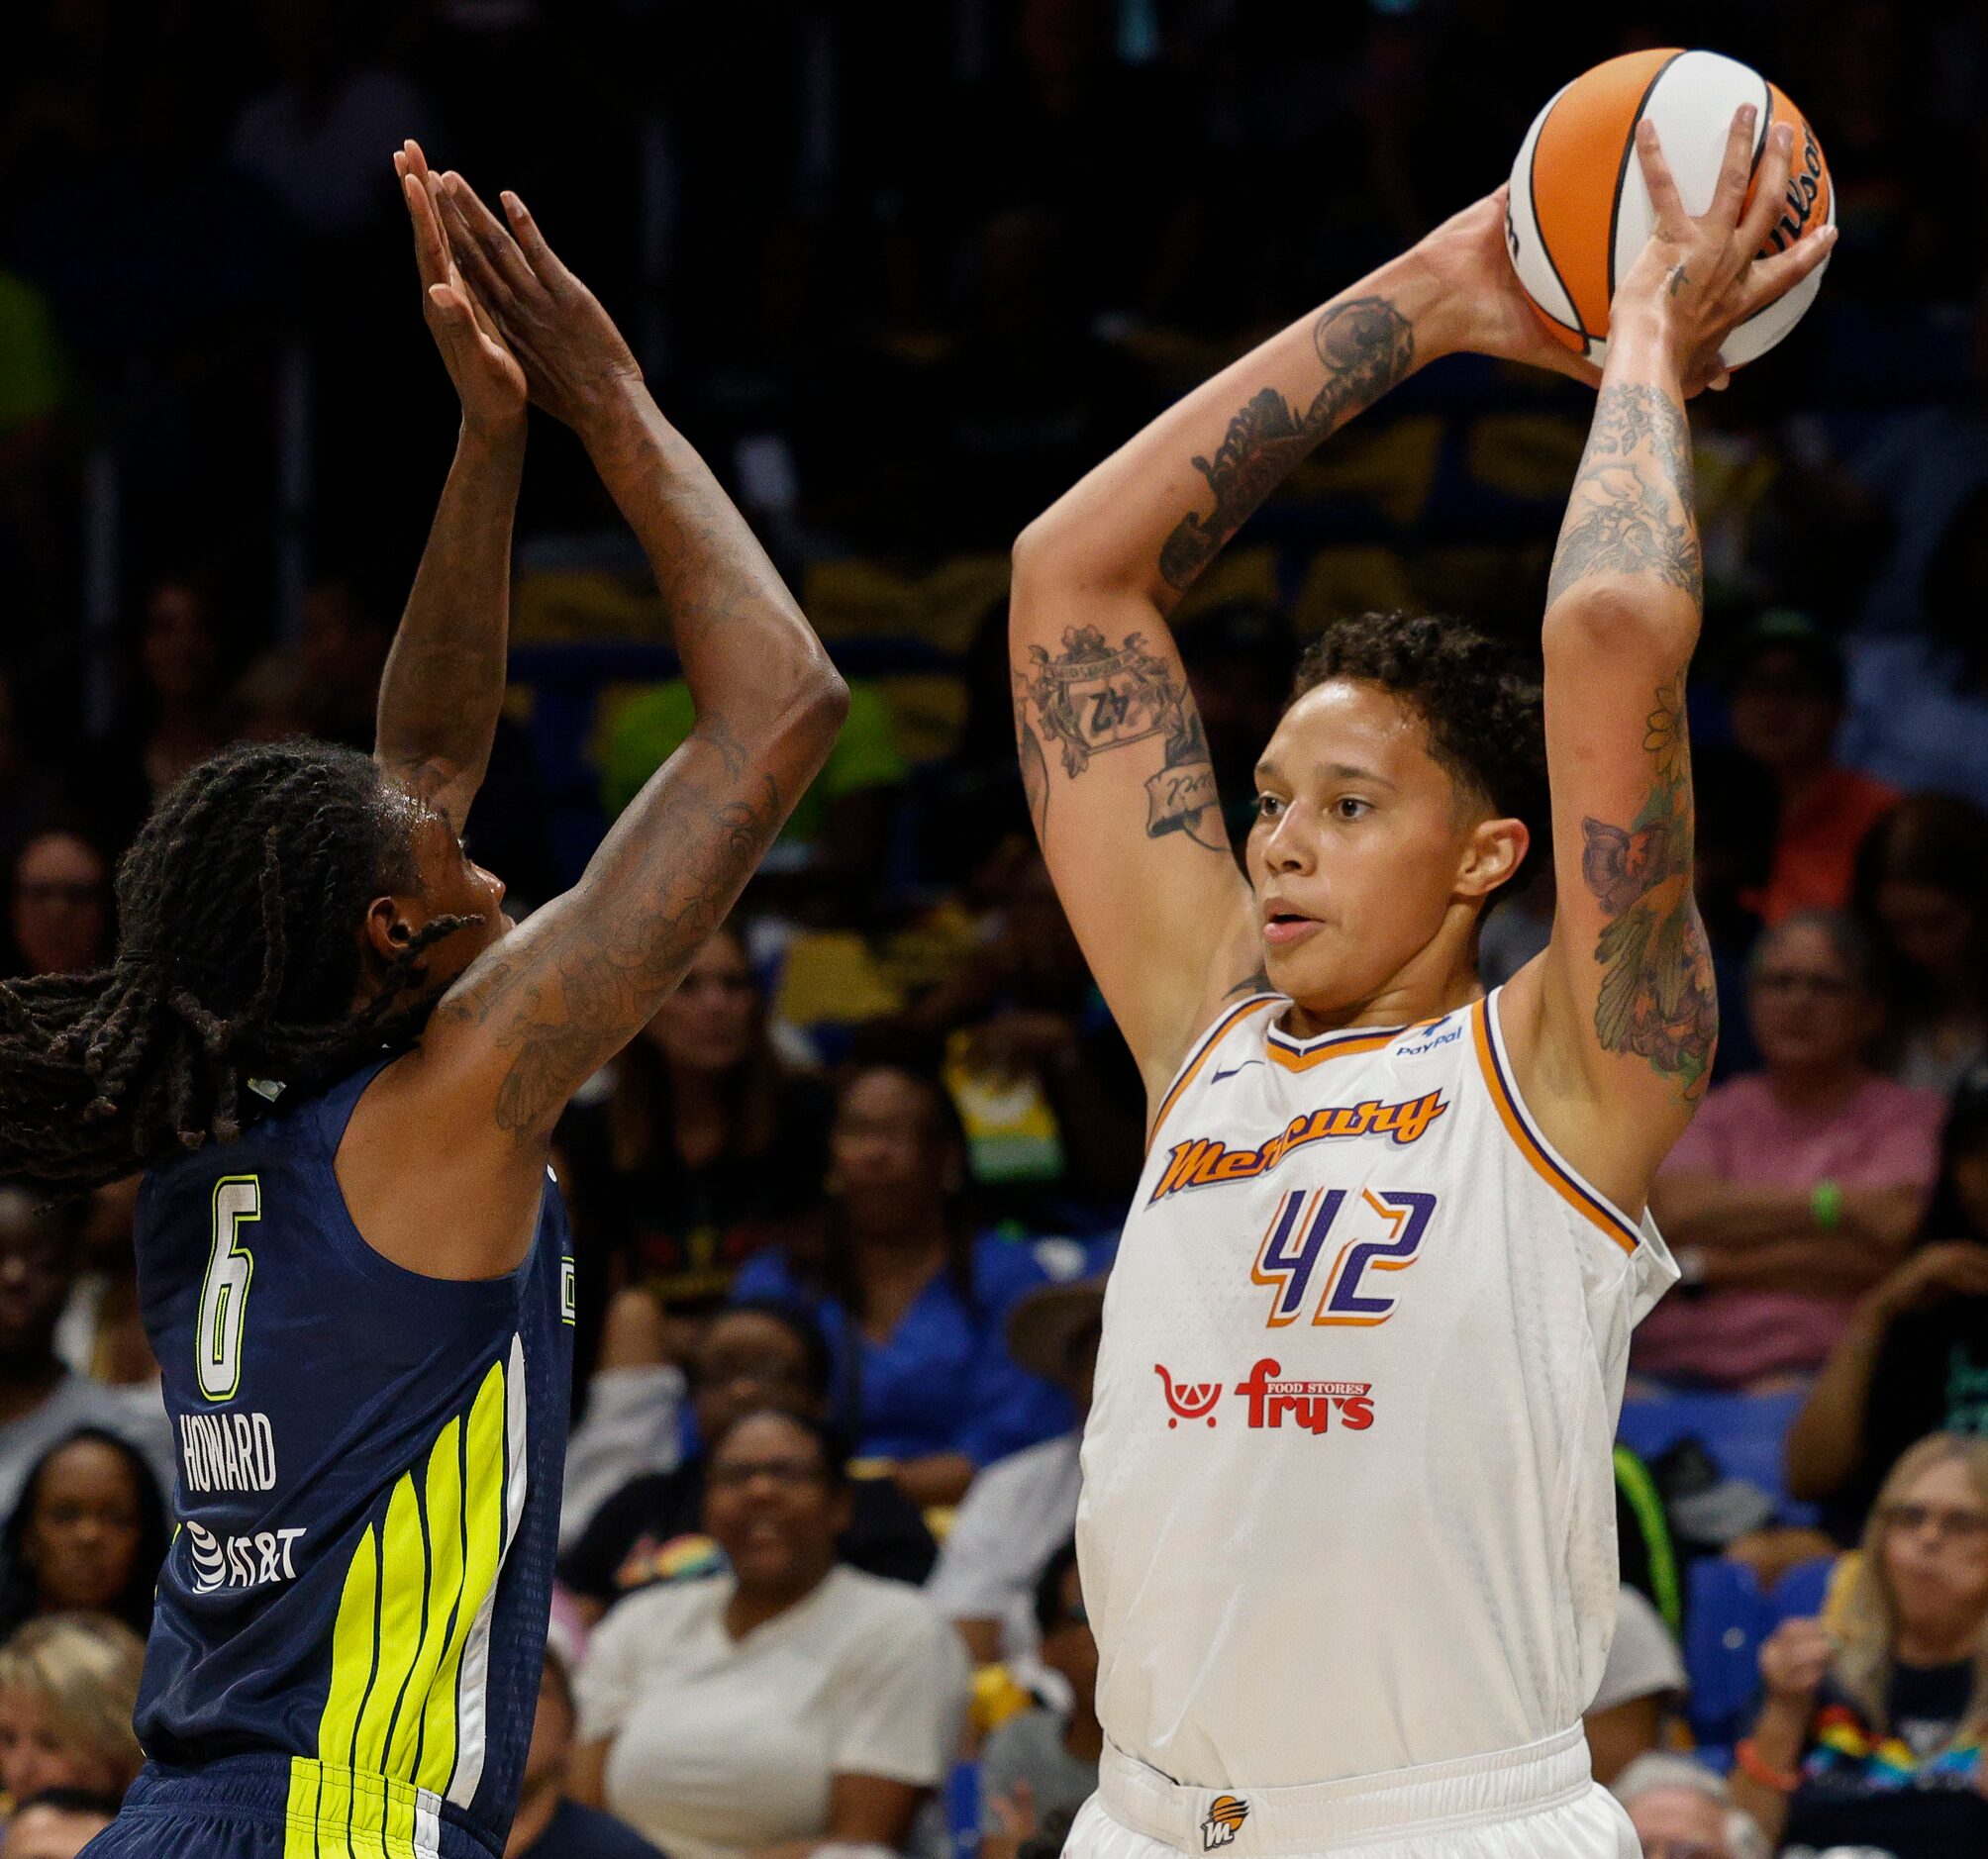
(1349, 1502)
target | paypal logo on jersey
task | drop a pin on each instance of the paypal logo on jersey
(1443, 1035)
(252, 1561)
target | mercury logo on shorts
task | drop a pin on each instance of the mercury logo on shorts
(1226, 1814)
(1311, 1406)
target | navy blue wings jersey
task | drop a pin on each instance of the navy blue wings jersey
(369, 1493)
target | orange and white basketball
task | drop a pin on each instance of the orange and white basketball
(1580, 211)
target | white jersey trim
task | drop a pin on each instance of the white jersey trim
(1228, 1019)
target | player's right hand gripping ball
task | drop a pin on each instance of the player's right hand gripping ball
(1580, 211)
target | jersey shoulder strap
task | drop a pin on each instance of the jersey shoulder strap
(1207, 1046)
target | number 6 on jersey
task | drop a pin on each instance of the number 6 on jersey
(224, 1292)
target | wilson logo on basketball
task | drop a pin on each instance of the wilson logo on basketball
(1273, 1397)
(1226, 1814)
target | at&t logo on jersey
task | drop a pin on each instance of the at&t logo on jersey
(1272, 1398)
(1226, 1814)
(1203, 1161)
(240, 1561)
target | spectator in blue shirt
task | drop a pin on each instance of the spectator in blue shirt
(914, 1305)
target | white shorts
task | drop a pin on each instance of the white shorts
(1540, 1802)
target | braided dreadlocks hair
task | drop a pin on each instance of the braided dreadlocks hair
(240, 904)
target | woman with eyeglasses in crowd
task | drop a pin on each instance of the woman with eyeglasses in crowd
(58, 902)
(761, 1353)
(788, 1703)
(1871, 1730)
(1915, 1359)
(68, 1684)
(1797, 1188)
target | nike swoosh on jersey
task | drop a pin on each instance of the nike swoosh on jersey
(1233, 1069)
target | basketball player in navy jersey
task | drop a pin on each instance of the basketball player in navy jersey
(1346, 1530)
(339, 1065)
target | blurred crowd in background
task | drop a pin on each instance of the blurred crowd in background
(903, 272)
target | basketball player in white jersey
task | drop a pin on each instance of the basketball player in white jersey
(1347, 1534)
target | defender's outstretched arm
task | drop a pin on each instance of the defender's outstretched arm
(450, 1177)
(444, 683)
(542, 1011)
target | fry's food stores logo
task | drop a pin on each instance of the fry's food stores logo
(1315, 1406)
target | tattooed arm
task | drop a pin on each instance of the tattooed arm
(444, 683)
(460, 1129)
(1115, 761)
(1612, 1028)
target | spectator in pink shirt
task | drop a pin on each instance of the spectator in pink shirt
(1797, 1187)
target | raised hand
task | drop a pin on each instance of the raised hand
(1486, 311)
(1948, 1268)
(488, 380)
(1795, 1660)
(574, 359)
(1702, 276)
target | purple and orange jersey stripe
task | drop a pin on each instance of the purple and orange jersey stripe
(1302, 1054)
(1532, 1146)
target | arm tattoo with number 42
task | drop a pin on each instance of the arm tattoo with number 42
(1092, 698)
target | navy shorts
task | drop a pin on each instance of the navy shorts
(283, 1808)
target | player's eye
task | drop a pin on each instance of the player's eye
(1350, 807)
(1268, 806)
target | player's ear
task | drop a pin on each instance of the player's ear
(1494, 851)
(388, 927)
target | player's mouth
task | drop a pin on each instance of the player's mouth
(1282, 928)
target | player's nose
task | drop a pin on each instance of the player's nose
(1285, 846)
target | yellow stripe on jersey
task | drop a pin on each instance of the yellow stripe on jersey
(390, 1728)
(442, 1594)
(482, 1511)
(351, 1653)
(340, 1814)
(403, 1593)
(300, 1821)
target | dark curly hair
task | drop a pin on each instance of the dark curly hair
(239, 906)
(1479, 700)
